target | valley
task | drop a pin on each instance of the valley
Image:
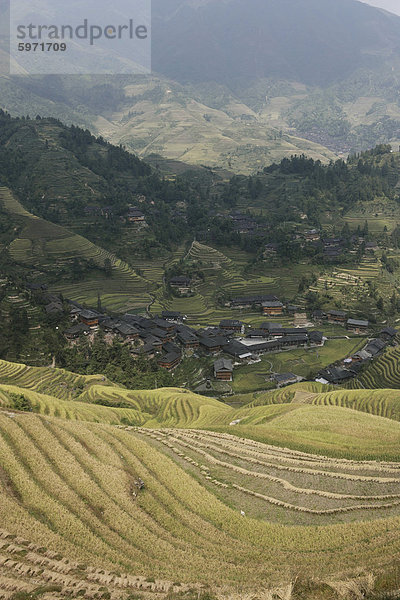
(200, 309)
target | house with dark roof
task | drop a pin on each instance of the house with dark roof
(147, 350)
(89, 317)
(375, 347)
(316, 338)
(164, 324)
(232, 325)
(298, 340)
(172, 317)
(292, 308)
(360, 356)
(152, 340)
(273, 309)
(126, 331)
(188, 339)
(337, 316)
(238, 350)
(223, 369)
(161, 334)
(182, 284)
(371, 247)
(210, 344)
(170, 361)
(54, 308)
(134, 320)
(357, 326)
(335, 375)
(74, 332)
(388, 334)
(250, 301)
(318, 315)
(265, 347)
(171, 347)
(135, 215)
(257, 333)
(282, 379)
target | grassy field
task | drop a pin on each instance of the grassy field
(301, 361)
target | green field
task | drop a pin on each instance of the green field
(301, 362)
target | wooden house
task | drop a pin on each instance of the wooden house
(170, 361)
(357, 326)
(232, 325)
(223, 369)
(272, 309)
(89, 318)
(337, 316)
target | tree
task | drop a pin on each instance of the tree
(107, 267)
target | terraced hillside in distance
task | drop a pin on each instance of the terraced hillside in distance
(226, 274)
(47, 247)
(109, 492)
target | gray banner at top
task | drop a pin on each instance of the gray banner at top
(80, 37)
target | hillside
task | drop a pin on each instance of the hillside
(251, 104)
(352, 36)
(66, 198)
(305, 417)
(80, 519)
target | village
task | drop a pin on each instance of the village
(168, 339)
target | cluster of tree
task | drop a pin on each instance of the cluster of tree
(115, 361)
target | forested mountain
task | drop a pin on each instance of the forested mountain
(84, 184)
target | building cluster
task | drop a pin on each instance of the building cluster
(335, 248)
(168, 338)
(339, 317)
(352, 366)
(244, 224)
(133, 215)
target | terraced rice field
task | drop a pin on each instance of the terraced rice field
(55, 382)
(226, 275)
(46, 245)
(348, 286)
(383, 372)
(380, 402)
(282, 485)
(305, 417)
(75, 517)
(31, 570)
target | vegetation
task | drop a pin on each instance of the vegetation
(77, 510)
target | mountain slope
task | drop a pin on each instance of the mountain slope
(310, 41)
(81, 501)
(49, 248)
(241, 86)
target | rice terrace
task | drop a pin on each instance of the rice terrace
(200, 301)
(181, 495)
